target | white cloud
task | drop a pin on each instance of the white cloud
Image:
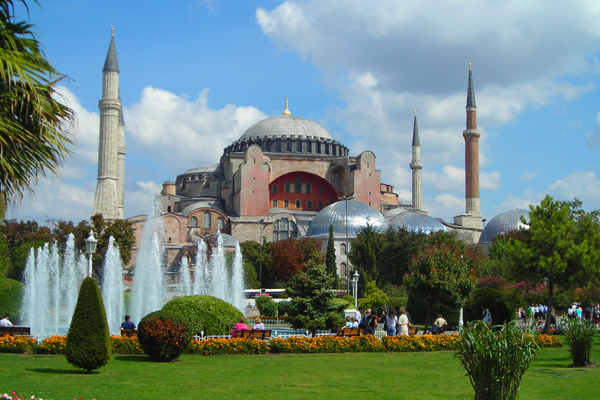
(583, 184)
(527, 176)
(513, 202)
(489, 181)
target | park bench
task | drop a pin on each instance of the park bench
(349, 332)
(129, 332)
(253, 333)
(412, 331)
(15, 330)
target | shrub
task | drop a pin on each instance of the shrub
(266, 306)
(579, 335)
(126, 345)
(493, 300)
(206, 314)
(284, 308)
(88, 341)
(348, 298)
(495, 359)
(11, 293)
(163, 335)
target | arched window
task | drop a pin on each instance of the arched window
(275, 189)
(278, 145)
(168, 208)
(320, 189)
(275, 203)
(298, 185)
(320, 205)
(220, 223)
(284, 228)
(309, 147)
(288, 145)
(309, 204)
(343, 269)
(298, 204)
(287, 186)
(193, 221)
(206, 220)
(308, 187)
(286, 203)
(343, 249)
(298, 146)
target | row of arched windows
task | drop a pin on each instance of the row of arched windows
(287, 187)
(298, 204)
(206, 221)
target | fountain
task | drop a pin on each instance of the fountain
(112, 287)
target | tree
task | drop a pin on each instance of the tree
(251, 255)
(291, 256)
(559, 248)
(33, 135)
(312, 305)
(88, 340)
(400, 247)
(374, 297)
(330, 262)
(440, 274)
(364, 253)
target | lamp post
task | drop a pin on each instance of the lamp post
(262, 226)
(90, 248)
(355, 284)
(346, 198)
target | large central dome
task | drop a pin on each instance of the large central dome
(285, 126)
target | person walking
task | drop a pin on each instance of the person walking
(390, 323)
(402, 324)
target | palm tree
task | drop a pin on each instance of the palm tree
(33, 124)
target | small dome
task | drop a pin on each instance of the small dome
(285, 125)
(359, 215)
(168, 182)
(417, 222)
(503, 223)
(206, 169)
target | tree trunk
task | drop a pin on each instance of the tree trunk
(550, 305)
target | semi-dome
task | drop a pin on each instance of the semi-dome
(285, 126)
(417, 222)
(359, 216)
(504, 223)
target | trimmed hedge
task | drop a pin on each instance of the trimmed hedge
(206, 314)
(11, 294)
(88, 341)
(163, 335)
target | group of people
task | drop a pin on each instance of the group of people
(590, 313)
(241, 325)
(394, 324)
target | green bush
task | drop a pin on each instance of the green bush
(348, 298)
(579, 335)
(11, 294)
(495, 359)
(284, 308)
(88, 340)
(266, 306)
(206, 314)
(493, 300)
(163, 335)
(397, 302)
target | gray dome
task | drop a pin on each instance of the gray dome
(503, 223)
(285, 125)
(417, 222)
(359, 215)
(214, 168)
(168, 182)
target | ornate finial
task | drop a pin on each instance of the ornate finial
(112, 30)
(286, 111)
(415, 112)
(469, 65)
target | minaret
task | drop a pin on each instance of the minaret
(471, 135)
(416, 165)
(106, 201)
(121, 151)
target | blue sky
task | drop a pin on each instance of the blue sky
(195, 74)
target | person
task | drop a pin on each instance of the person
(403, 323)
(358, 314)
(258, 324)
(383, 320)
(5, 322)
(354, 323)
(128, 324)
(486, 316)
(390, 323)
(438, 325)
(348, 323)
(362, 325)
(239, 326)
(371, 323)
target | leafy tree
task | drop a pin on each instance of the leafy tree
(364, 253)
(250, 277)
(400, 247)
(373, 297)
(88, 340)
(291, 256)
(330, 262)
(313, 306)
(251, 255)
(33, 136)
(561, 247)
(440, 274)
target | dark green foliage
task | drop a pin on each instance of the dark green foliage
(11, 295)
(579, 335)
(492, 299)
(88, 340)
(284, 308)
(495, 360)
(205, 314)
(364, 253)
(349, 299)
(251, 255)
(163, 335)
(330, 263)
(266, 306)
(250, 276)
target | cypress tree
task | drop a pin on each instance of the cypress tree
(330, 264)
(88, 340)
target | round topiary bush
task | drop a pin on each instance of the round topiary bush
(163, 335)
(206, 314)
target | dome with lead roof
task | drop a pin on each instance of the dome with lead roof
(286, 126)
(417, 222)
(504, 223)
(359, 216)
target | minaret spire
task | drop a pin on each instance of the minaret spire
(471, 135)
(416, 165)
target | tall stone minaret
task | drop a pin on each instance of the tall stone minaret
(471, 135)
(416, 165)
(106, 201)
(121, 151)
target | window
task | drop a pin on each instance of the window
(344, 270)
(309, 147)
(275, 203)
(275, 236)
(283, 229)
(276, 225)
(320, 205)
(308, 187)
(320, 190)
(278, 145)
(343, 249)
(206, 220)
(335, 150)
(318, 148)
(284, 224)
(298, 185)
(275, 189)
(286, 203)
(326, 148)
(287, 186)
(309, 204)
(168, 208)
(288, 145)
(298, 204)
(220, 223)
(193, 221)
(298, 146)
(268, 146)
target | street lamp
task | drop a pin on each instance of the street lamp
(355, 284)
(262, 222)
(346, 198)
(90, 248)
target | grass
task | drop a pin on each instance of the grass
(315, 376)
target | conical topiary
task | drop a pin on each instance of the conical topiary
(88, 340)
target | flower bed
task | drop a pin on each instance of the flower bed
(548, 341)
(16, 344)
(213, 347)
(421, 343)
(52, 345)
(125, 345)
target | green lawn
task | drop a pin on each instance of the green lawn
(311, 376)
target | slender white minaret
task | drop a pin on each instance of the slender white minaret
(471, 135)
(416, 165)
(121, 151)
(106, 200)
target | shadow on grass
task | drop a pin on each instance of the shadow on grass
(133, 358)
(61, 371)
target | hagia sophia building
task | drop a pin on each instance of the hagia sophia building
(285, 177)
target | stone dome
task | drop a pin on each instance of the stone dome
(503, 223)
(285, 126)
(168, 182)
(417, 222)
(359, 215)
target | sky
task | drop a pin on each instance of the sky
(195, 74)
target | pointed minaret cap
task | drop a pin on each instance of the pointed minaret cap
(111, 63)
(416, 141)
(286, 111)
(471, 91)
